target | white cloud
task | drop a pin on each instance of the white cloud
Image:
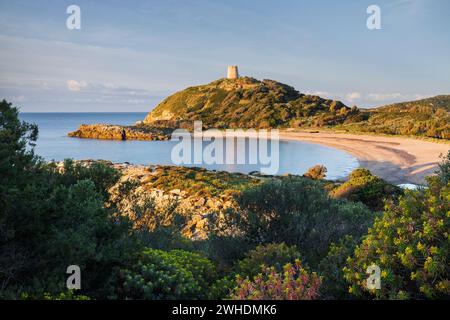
(74, 85)
(317, 93)
(393, 97)
(353, 96)
(383, 96)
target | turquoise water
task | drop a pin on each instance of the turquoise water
(53, 144)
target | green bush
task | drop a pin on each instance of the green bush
(102, 175)
(51, 219)
(167, 275)
(334, 286)
(444, 169)
(223, 249)
(274, 255)
(66, 295)
(411, 245)
(297, 211)
(363, 186)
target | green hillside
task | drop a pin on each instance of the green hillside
(249, 103)
(427, 117)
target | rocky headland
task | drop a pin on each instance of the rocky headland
(117, 132)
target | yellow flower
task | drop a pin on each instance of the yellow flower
(420, 246)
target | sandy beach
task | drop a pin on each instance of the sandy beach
(395, 159)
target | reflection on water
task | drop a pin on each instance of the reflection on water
(53, 144)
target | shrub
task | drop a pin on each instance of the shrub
(334, 285)
(224, 250)
(271, 255)
(102, 175)
(50, 220)
(364, 187)
(444, 169)
(174, 274)
(410, 243)
(294, 283)
(66, 295)
(317, 172)
(296, 211)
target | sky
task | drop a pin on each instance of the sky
(129, 55)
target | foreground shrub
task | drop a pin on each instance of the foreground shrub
(66, 295)
(167, 275)
(224, 250)
(411, 245)
(296, 211)
(317, 172)
(274, 255)
(444, 169)
(50, 219)
(363, 186)
(334, 286)
(294, 283)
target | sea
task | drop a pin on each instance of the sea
(53, 144)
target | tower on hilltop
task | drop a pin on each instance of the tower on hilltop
(232, 72)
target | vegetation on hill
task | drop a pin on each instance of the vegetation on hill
(427, 117)
(199, 181)
(275, 255)
(248, 103)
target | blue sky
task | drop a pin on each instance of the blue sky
(128, 55)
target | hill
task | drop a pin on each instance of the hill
(249, 103)
(427, 117)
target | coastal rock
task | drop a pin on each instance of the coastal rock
(116, 132)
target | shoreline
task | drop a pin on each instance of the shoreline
(398, 160)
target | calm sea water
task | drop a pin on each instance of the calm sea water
(54, 144)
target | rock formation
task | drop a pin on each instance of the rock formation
(116, 132)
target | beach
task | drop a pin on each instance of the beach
(398, 160)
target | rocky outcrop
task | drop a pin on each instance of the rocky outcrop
(145, 193)
(116, 132)
(167, 186)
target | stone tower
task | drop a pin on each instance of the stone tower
(232, 72)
